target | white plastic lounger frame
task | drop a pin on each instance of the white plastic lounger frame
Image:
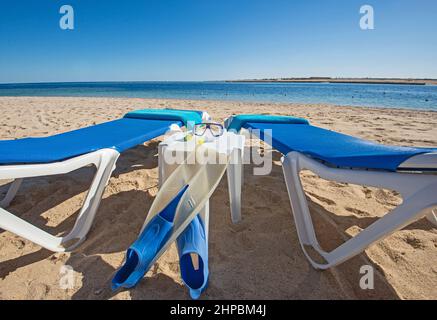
(104, 160)
(419, 193)
(417, 188)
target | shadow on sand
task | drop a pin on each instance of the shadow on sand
(260, 258)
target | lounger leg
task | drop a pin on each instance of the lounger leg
(12, 191)
(104, 160)
(12, 223)
(161, 164)
(411, 210)
(235, 177)
(432, 217)
(204, 214)
(301, 212)
(105, 167)
(417, 201)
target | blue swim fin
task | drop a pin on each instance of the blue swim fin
(193, 257)
(143, 251)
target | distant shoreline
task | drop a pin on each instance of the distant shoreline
(416, 97)
(418, 82)
(277, 80)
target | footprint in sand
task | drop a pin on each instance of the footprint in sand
(385, 197)
(367, 192)
(19, 243)
(322, 199)
(218, 254)
(337, 184)
(37, 291)
(245, 242)
(414, 242)
(358, 212)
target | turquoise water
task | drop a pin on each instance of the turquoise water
(371, 95)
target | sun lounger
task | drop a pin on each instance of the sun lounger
(339, 157)
(99, 145)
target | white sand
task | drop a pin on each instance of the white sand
(260, 258)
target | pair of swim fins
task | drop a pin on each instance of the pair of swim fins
(192, 246)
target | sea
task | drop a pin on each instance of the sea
(419, 97)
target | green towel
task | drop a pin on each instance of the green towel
(184, 116)
(239, 121)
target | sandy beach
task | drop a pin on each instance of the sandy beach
(260, 258)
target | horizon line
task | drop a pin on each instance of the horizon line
(295, 79)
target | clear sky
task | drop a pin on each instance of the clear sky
(138, 40)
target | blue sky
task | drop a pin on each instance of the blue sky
(139, 40)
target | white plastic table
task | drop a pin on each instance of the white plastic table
(229, 143)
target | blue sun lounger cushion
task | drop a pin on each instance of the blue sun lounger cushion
(183, 116)
(121, 134)
(333, 148)
(241, 120)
